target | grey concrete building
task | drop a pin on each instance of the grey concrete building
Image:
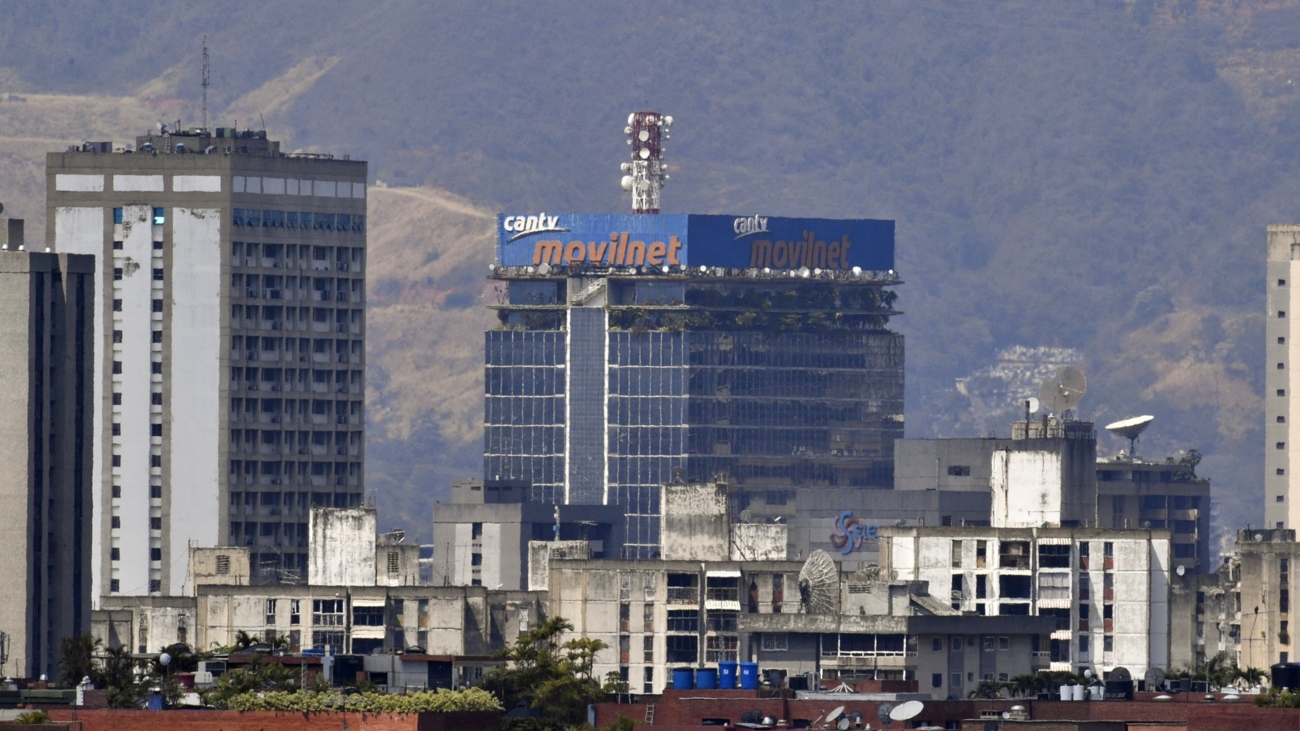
(46, 421)
(1107, 591)
(1281, 337)
(230, 326)
(1130, 492)
(481, 537)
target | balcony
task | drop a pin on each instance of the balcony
(683, 595)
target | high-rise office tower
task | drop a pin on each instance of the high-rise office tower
(230, 323)
(634, 350)
(1282, 379)
(46, 429)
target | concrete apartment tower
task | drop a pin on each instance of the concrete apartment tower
(230, 322)
(46, 426)
(1282, 440)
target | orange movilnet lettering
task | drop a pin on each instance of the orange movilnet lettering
(807, 252)
(618, 251)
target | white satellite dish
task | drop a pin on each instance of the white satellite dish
(1032, 404)
(626, 182)
(1130, 428)
(645, 153)
(643, 135)
(843, 724)
(1065, 391)
(1180, 570)
(907, 711)
(835, 714)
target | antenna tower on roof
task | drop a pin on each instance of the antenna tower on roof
(646, 174)
(205, 83)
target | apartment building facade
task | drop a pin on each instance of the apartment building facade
(229, 324)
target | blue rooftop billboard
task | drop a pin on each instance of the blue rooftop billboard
(678, 240)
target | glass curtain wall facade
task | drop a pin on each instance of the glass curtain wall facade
(765, 383)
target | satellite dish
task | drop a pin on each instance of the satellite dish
(643, 135)
(882, 713)
(819, 584)
(626, 182)
(645, 153)
(1065, 391)
(907, 711)
(1181, 570)
(545, 268)
(835, 714)
(1033, 405)
(1130, 428)
(1153, 677)
(746, 516)
(165, 659)
(843, 724)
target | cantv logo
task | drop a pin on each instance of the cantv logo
(749, 225)
(523, 226)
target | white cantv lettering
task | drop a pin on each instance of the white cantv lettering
(522, 226)
(749, 225)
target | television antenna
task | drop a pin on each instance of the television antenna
(646, 174)
(882, 713)
(1065, 391)
(205, 83)
(1129, 429)
(1153, 677)
(819, 582)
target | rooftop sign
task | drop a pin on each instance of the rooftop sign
(675, 240)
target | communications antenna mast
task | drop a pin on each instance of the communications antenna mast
(646, 174)
(205, 83)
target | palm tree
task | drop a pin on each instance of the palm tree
(243, 640)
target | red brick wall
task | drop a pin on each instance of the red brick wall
(275, 720)
(686, 708)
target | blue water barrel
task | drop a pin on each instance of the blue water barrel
(683, 678)
(706, 678)
(727, 674)
(749, 676)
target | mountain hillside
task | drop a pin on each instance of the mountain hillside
(1090, 177)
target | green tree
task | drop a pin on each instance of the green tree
(554, 679)
(257, 676)
(120, 670)
(77, 661)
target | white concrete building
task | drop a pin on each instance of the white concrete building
(1281, 381)
(1108, 590)
(230, 331)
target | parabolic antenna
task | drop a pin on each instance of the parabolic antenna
(1120, 674)
(819, 584)
(1130, 428)
(835, 714)
(1033, 405)
(907, 711)
(883, 711)
(1065, 391)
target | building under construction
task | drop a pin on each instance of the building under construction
(635, 350)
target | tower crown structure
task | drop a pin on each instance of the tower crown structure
(646, 174)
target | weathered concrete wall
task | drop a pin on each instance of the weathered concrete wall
(540, 554)
(342, 547)
(207, 566)
(397, 564)
(694, 523)
(1026, 489)
(759, 541)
